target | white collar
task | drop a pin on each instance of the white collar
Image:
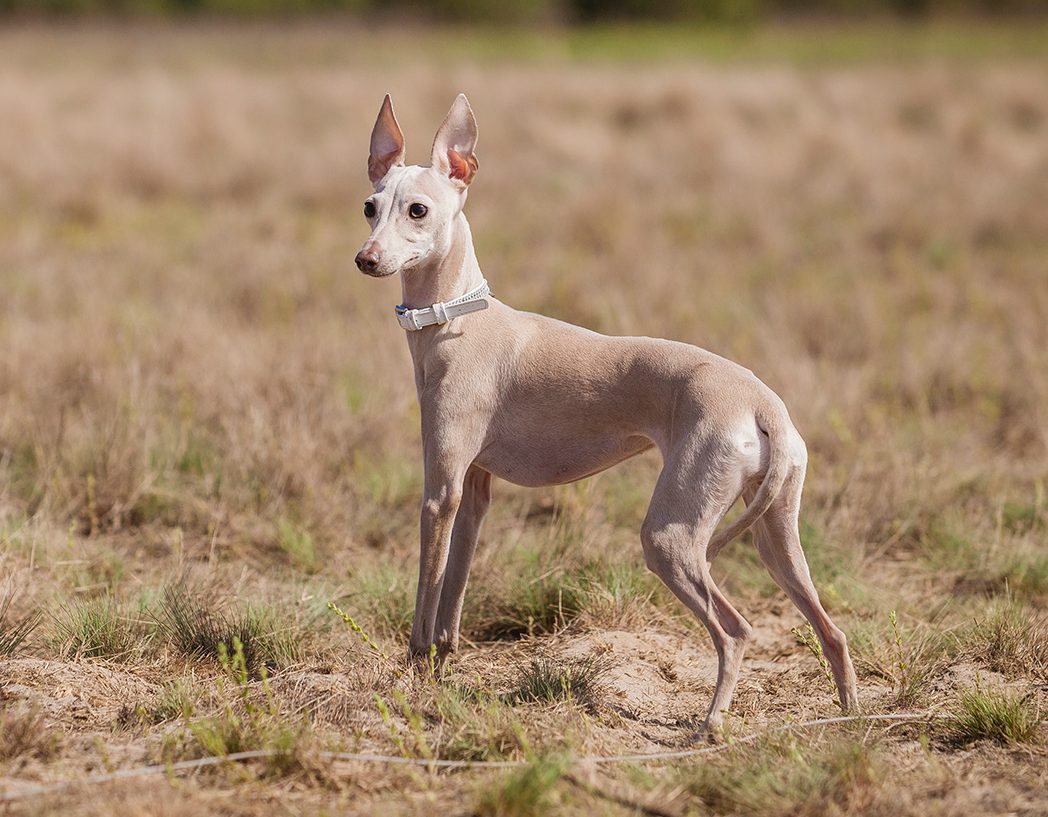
(473, 301)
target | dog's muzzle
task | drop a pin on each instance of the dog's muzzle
(367, 262)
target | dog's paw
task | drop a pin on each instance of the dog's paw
(429, 660)
(710, 733)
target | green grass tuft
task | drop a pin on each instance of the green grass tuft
(525, 793)
(998, 716)
(383, 597)
(97, 629)
(476, 725)
(199, 629)
(547, 680)
(527, 606)
(1020, 517)
(617, 594)
(175, 700)
(248, 718)
(297, 544)
(908, 658)
(1011, 641)
(786, 778)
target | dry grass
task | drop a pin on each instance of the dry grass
(1013, 641)
(199, 391)
(14, 630)
(23, 733)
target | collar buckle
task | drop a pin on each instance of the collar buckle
(440, 313)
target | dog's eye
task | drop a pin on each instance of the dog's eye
(417, 210)
(369, 209)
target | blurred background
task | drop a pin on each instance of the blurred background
(534, 11)
(850, 197)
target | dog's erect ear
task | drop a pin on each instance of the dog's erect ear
(455, 142)
(387, 143)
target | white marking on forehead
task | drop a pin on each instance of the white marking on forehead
(391, 183)
(428, 184)
(391, 180)
(398, 175)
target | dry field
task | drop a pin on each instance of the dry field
(208, 427)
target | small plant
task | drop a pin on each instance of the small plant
(900, 659)
(545, 680)
(198, 629)
(476, 725)
(369, 642)
(420, 746)
(527, 606)
(297, 543)
(96, 629)
(1019, 517)
(194, 628)
(909, 661)
(618, 594)
(1012, 642)
(174, 701)
(244, 723)
(14, 631)
(92, 507)
(807, 637)
(524, 793)
(784, 777)
(24, 734)
(384, 597)
(998, 716)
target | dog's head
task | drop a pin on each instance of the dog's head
(413, 208)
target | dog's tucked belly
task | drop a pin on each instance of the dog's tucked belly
(536, 462)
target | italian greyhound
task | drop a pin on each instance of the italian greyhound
(536, 401)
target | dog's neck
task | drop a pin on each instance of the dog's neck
(449, 277)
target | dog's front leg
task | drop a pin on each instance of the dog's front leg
(476, 496)
(441, 498)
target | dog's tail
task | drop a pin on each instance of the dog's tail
(779, 463)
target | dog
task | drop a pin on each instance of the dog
(536, 401)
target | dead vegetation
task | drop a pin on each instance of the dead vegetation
(14, 630)
(208, 429)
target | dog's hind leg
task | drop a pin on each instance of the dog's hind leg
(685, 509)
(779, 545)
(476, 496)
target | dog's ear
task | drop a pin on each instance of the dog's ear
(387, 143)
(455, 142)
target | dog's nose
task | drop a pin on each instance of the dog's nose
(367, 261)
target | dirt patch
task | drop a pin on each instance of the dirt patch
(81, 695)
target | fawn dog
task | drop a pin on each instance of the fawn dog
(536, 401)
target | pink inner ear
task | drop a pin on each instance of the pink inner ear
(378, 166)
(461, 167)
